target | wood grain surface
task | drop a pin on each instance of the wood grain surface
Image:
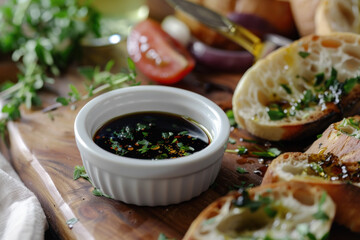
(43, 151)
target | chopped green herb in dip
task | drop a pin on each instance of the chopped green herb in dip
(151, 135)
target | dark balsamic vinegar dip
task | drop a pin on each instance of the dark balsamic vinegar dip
(152, 135)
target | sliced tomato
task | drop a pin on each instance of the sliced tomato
(157, 55)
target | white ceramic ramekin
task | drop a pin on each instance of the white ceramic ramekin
(146, 182)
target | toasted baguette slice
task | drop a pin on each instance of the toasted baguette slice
(277, 211)
(313, 169)
(341, 139)
(337, 16)
(289, 78)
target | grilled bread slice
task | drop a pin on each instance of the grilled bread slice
(341, 139)
(286, 210)
(340, 181)
(299, 90)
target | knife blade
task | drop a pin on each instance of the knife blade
(230, 30)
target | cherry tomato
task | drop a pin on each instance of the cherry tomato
(157, 55)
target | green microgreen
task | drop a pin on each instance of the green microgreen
(144, 149)
(264, 202)
(141, 127)
(349, 122)
(275, 112)
(243, 185)
(333, 78)
(231, 117)
(268, 153)
(231, 140)
(350, 83)
(303, 54)
(286, 88)
(240, 150)
(184, 147)
(319, 78)
(241, 170)
(304, 230)
(167, 135)
(144, 142)
(182, 133)
(162, 236)
(117, 147)
(320, 214)
(164, 156)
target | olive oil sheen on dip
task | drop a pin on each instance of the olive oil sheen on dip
(152, 135)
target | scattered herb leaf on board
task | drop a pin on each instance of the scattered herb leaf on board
(79, 172)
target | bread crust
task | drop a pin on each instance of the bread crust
(262, 85)
(289, 166)
(304, 196)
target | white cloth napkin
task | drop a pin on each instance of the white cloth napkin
(21, 215)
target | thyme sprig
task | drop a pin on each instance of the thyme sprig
(97, 81)
(42, 37)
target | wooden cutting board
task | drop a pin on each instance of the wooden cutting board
(43, 151)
